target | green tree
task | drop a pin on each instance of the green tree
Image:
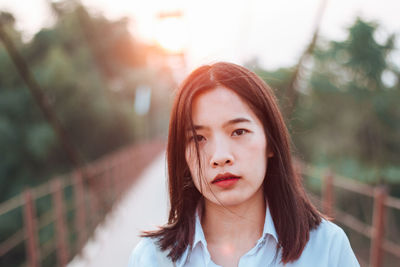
(77, 62)
(348, 114)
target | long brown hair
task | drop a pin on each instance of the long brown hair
(293, 214)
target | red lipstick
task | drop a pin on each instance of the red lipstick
(225, 180)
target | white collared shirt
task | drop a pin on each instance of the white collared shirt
(328, 247)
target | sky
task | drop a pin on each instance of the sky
(274, 32)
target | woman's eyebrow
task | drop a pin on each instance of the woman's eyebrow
(197, 127)
(237, 120)
(230, 122)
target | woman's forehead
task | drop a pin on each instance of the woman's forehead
(220, 105)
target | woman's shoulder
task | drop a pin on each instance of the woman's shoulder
(329, 241)
(327, 234)
(328, 230)
(144, 254)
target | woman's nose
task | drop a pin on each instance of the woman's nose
(221, 155)
(221, 163)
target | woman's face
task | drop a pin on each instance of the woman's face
(232, 147)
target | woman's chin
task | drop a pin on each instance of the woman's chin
(226, 200)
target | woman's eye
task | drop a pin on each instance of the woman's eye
(199, 138)
(239, 132)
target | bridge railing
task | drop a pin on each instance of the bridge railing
(54, 220)
(57, 218)
(328, 196)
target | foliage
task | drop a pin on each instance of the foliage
(77, 63)
(347, 116)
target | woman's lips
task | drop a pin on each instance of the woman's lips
(225, 180)
(226, 183)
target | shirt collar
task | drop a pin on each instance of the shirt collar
(269, 229)
(199, 236)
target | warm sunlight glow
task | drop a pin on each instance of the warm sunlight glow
(236, 31)
(170, 34)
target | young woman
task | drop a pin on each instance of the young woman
(235, 197)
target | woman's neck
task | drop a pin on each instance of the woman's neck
(234, 226)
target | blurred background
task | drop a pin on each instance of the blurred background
(81, 81)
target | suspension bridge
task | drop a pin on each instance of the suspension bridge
(94, 216)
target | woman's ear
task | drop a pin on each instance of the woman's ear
(270, 153)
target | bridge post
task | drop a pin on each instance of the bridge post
(328, 194)
(378, 226)
(31, 230)
(92, 197)
(80, 210)
(120, 174)
(111, 181)
(61, 230)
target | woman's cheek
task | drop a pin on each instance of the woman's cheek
(189, 155)
(193, 164)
